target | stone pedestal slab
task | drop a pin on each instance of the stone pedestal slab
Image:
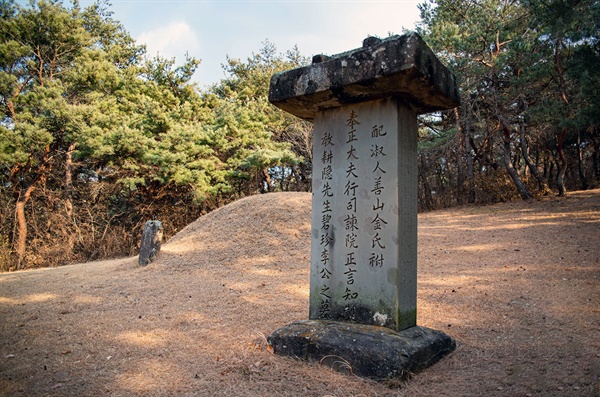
(369, 351)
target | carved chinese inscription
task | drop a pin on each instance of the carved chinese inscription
(356, 254)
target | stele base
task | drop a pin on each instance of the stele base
(373, 352)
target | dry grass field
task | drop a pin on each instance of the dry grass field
(516, 284)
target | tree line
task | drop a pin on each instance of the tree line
(96, 137)
(529, 119)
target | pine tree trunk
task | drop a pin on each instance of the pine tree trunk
(69, 237)
(512, 172)
(562, 166)
(532, 167)
(551, 179)
(426, 187)
(562, 163)
(266, 181)
(596, 161)
(469, 155)
(521, 188)
(584, 183)
(460, 158)
(69, 180)
(23, 198)
(22, 225)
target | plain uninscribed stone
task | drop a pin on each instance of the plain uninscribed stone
(151, 242)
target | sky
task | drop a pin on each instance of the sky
(211, 30)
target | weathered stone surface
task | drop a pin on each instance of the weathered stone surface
(369, 351)
(399, 66)
(364, 105)
(363, 266)
(151, 241)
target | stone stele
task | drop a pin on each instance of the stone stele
(363, 272)
(151, 242)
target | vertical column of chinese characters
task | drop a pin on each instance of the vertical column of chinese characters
(376, 258)
(350, 219)
(326, 232)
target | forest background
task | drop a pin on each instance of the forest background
(96, 137)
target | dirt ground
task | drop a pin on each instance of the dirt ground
(517, 285)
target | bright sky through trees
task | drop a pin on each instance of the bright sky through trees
(210, 30)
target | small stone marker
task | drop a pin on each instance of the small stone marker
(363, 272)
(151, 240)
